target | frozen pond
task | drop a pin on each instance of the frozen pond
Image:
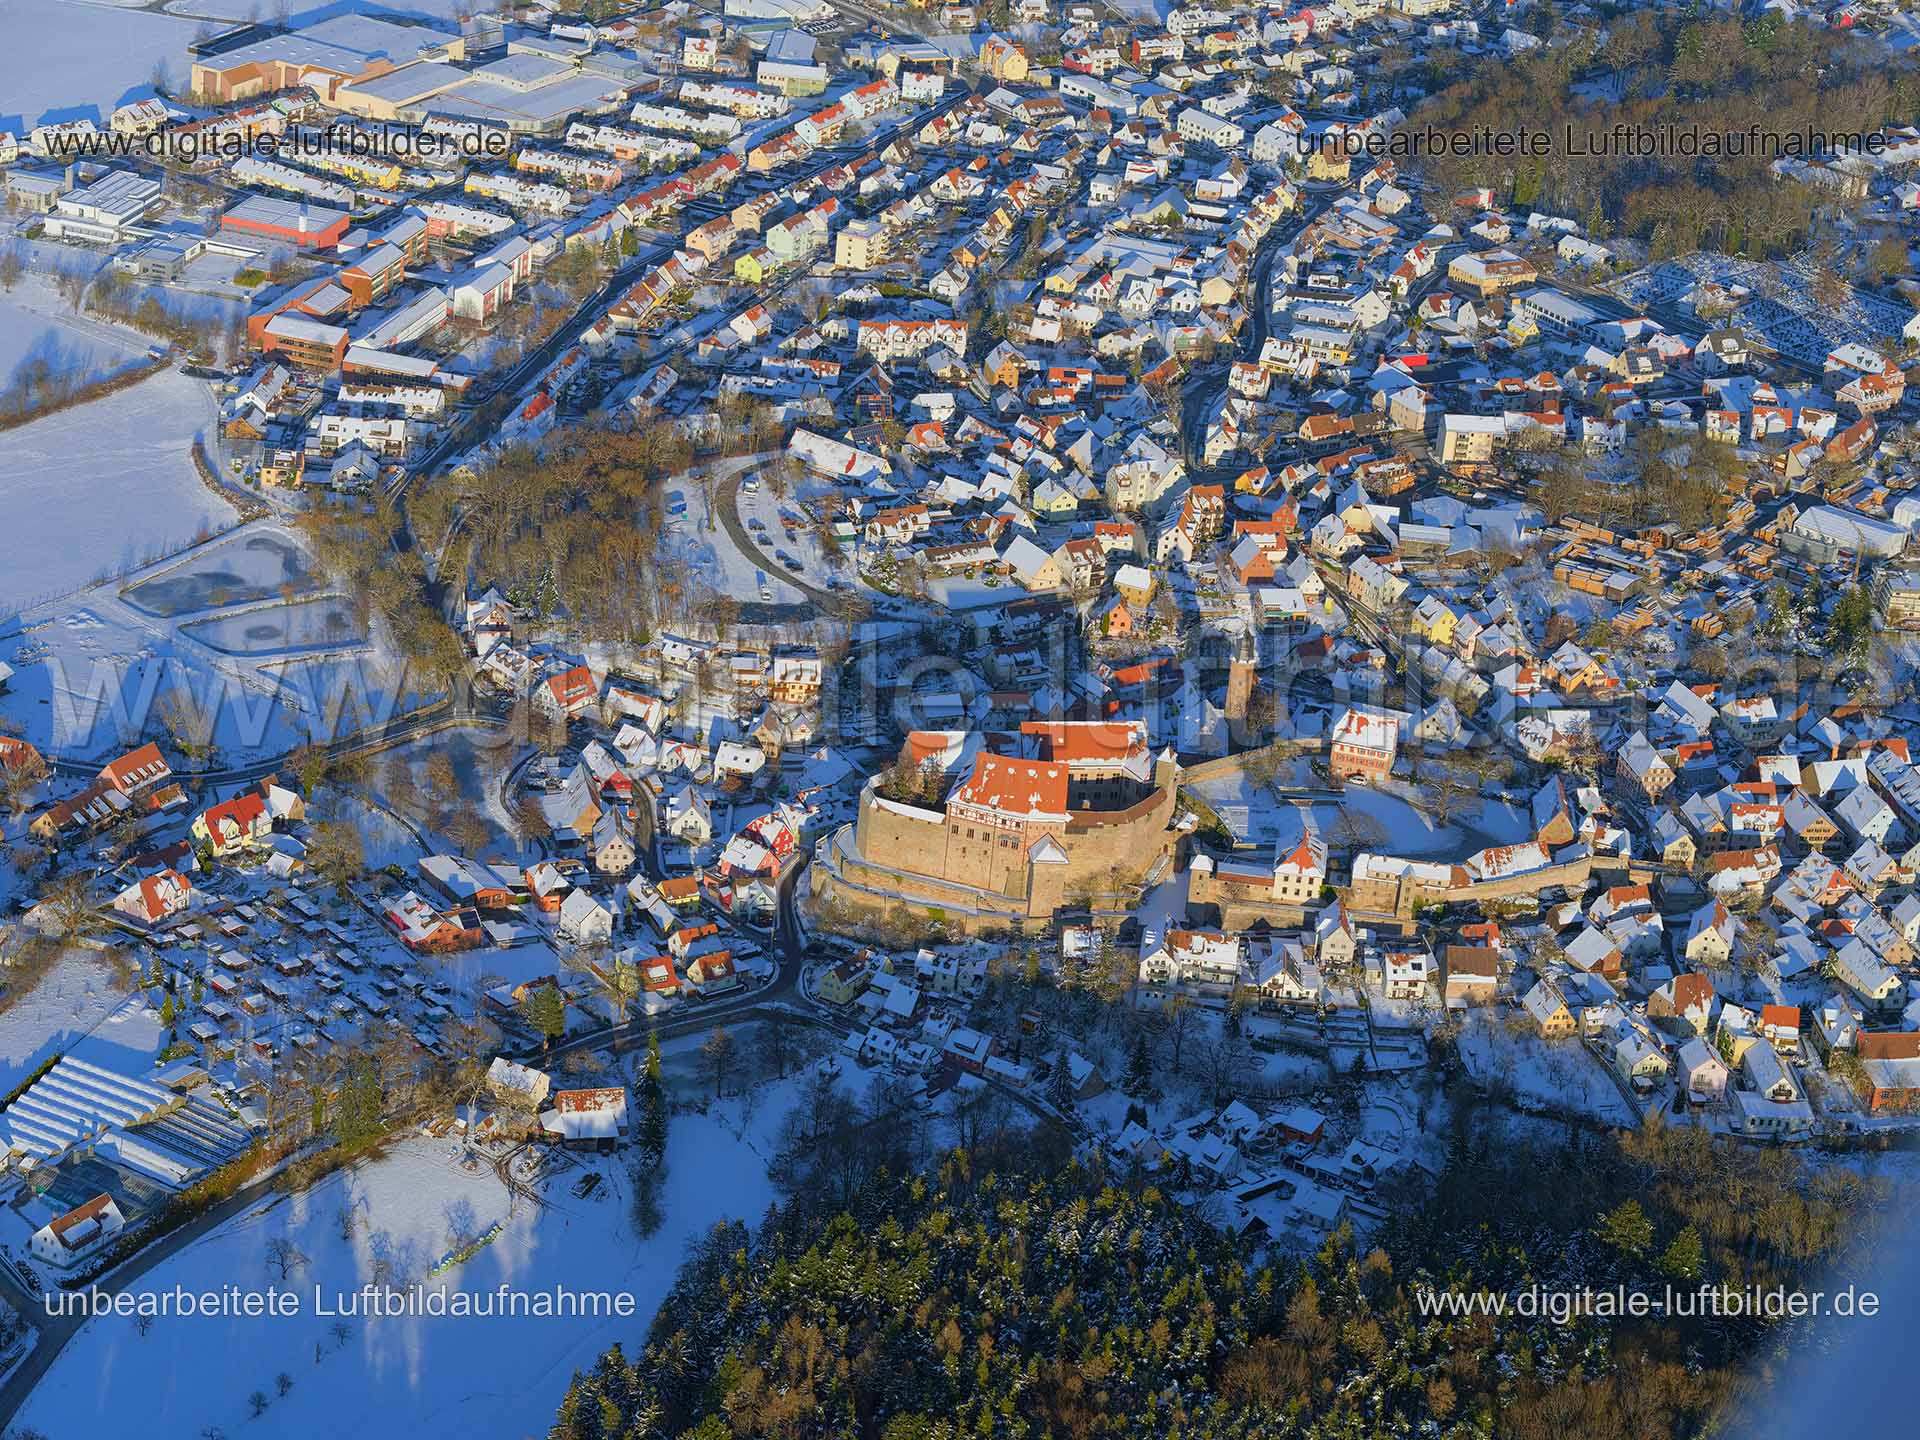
(235, 572)
(306, 624)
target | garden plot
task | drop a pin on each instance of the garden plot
(1783, 312)
(1549, 1075)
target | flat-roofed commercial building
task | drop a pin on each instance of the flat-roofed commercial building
(103, 210)
(336, 52)
(287, 222)
(396, 93)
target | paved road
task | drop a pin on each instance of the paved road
(397, 731)
(847, 607)
(787, 946)
(55, 1331)
(1201, 392)
(620, 281)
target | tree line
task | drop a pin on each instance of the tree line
(1011, 1292)
(1682, 70)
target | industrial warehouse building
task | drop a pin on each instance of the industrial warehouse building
(326, 56)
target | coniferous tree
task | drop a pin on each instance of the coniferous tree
(1626, 1228)
(357, 1115)
(546, 1011)
(653, 1104)
(1138, 1081)
(1682, 1258)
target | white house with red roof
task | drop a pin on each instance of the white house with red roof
(68, 1239)
(154, 898)
(569, 693)
(234, 825)
(137, 770)
(1299, 874)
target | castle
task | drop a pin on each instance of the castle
(1000, 831)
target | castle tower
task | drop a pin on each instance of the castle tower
(1240, 682)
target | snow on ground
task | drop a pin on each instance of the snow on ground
(1380, 820)
(273, 627)
(712, 555)
(1363, 817)
(94, 670)
(421, 1376)
(1557, 1074)
(478, 756)
(778, 513)
(73, 999)
(385, 840)
(237, 10)
(99, 488)
(1253, 812)
(1901, 31)
(126, 1039)
(36, 324)
(52, 75)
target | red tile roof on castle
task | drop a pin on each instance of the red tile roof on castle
(1087, 743)
(1016, 787)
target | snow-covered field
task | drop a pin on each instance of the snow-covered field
(307, 14)
(36, 324)
(73, 58)
(99, 488)
(71, 1000)
(418, 1376)
(49, 76)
